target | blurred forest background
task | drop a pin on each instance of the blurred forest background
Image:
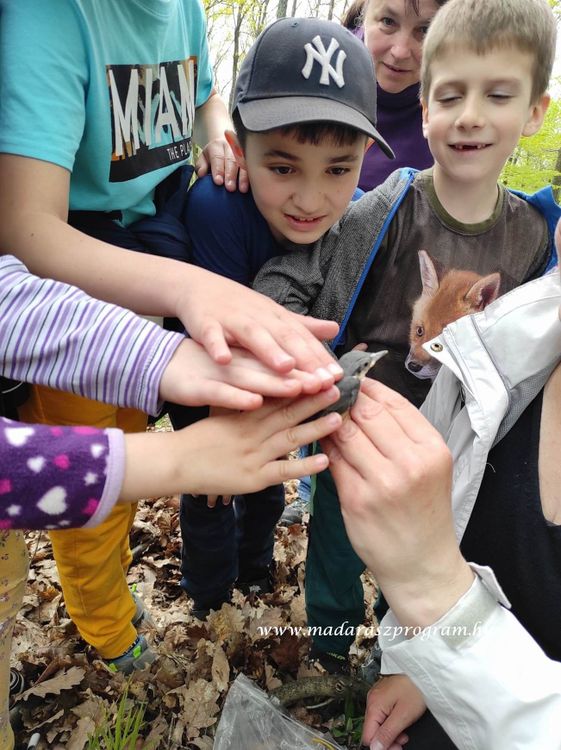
(233, 25)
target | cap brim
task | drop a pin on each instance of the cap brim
(266, 114)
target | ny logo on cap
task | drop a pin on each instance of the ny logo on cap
(316, 51)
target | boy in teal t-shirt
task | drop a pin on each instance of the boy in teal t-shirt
(100, 105)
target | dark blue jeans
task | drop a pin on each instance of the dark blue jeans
(227, 543)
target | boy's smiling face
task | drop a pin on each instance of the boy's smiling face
(478, 107)
(301, 189)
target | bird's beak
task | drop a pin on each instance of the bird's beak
(375, 356)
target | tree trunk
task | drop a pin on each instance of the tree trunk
(236, 54)
(262, 17)
(282, 8)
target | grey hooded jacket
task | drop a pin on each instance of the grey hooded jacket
(325, 281)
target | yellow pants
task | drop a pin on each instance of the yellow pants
(92, 563)
(13, 575)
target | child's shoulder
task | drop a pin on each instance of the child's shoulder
(376, 205)
(227, 233)
(204, 188)
(394, 186)
(206, 200)
(528, 208)
(543, 200)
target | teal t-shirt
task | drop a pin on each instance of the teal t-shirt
(106, 89)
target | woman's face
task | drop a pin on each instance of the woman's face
(394, 35)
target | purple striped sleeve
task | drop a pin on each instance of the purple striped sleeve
(54, 334)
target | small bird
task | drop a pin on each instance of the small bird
(356, 365)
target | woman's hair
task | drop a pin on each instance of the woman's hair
(353, 16)
(364, 4)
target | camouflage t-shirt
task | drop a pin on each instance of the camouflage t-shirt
(440, 269)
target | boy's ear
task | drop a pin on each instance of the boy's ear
(537, 114)
(425, 111)
(235, 145)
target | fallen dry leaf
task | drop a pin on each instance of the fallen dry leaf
(286, 652)
(82, 731)
(199, 704)
(271, 682)
(220, 670)
(226, 622)
(158, 730)
(64, 681)
(203, 743)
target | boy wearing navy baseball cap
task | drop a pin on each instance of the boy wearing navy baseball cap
(304, 110)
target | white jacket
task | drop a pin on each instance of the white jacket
(484, 678)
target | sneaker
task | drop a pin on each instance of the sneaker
(142, 616)
(294, 512)
(138, 656)
(332, 662)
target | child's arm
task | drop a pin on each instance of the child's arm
(229, 454)
(53, 334)
(62, 477)
(215, 311)
(46, 77)
(46, 72)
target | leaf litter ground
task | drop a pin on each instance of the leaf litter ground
(69, 692)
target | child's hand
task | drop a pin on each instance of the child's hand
(230, 454)
(393, 704)
(218, 159)
(239, 453)
(218, 312)
(194, 379)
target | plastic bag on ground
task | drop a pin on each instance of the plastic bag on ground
(251, 720)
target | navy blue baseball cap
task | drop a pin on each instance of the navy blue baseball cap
(303, 70)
